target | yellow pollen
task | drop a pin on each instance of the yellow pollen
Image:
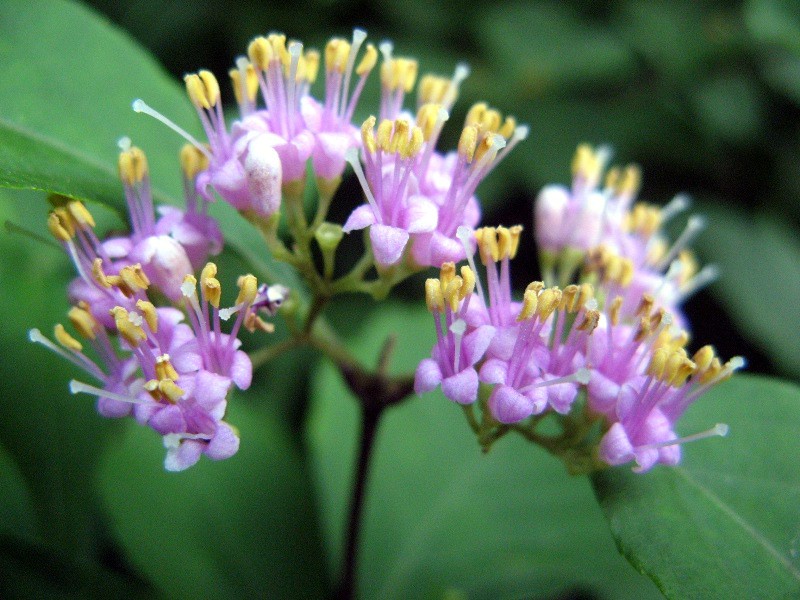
(433, 295)
(452, 292)
(212, 290)
(133, 334)
(530, 302)
(586, 163)
(414, 144)
(132, 165)
(590, 321)
(446, 273)
(689, 265)
(311, 61)
(253, 322)
(59, 228)
(211, 86)
(535, 286)
(487, 244)
(427, 117)
(703, 358)
(133, 278)
(210, 270)
(644, 330)
(149, 313)
(468, 142)
(164, 368)
(712, 372)
(248, 289)
(612, 178)
(586, 293)
(250, 82)
(368, 61)
(568, 298)
(509, 125)
(432, 89)
(630, 182)
(613, 310)
(260, 53)
(368, 135)
(486, 145)
(80, 214)
(66, 339)
(549, 300)
(83, 322)
(170, 390)
(399, 138)
(193, 161)
(475, 114)
(151, 387)
(203, 89)
(279, 51)
(334, 61)
(468, 287)
(657, 363)
(385, 129)
(645, 305)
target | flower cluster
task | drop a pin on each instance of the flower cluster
(169, 375)
(608, 349)
(412, 191)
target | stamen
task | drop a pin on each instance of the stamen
(465, 235)
(718, 430)
(694, 226)
(458, 328)
(140, 106)
(351, 156)
(77, 387)
(677, 205)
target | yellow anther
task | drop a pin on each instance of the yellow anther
(530, 302)
(586, 163)
(164, 368)
(490, 122)
(65, 339)
(99, 275)
(643, 331)
(279, 51)
(685, 370)
(399, 73)
(260, 53)
(468, 142)
(210, 270)
(487, 244)
(83, 322)
(151, 387)
(446, 273)
(468, 275)
(433, 295)
(211, 86)
(613, 178)
(368, 135)
(644, 219)
(568, 298)
(626, 273)
(657, 363)
(170, 390)
(509, 125)
(549, 300)
(515, 231)
(645, 305)
(193, 161)
(336, 51)
(253, 322)
(250, 83)
(613, 310)
(656, 249)
(414, 144)
(630, 181)
(688, 263)
(452, 292)
(132, 165)
(590, 321)
(475, 114)
(149, 313)
(703, 358)
(80, 214)
(61, 229)
(212, 290)
(368, 61)
(712, 372)
(432, 89)
(586, 293)
(485, 146)
(384, 137)
(503, 242)
(203, 89)
(427, 118)
(673, 366)
(311, 62)
(656, 318)
(535, 287)
(133, 334)
(191, 280)
(399, 139)
(133, 278)
(248, 289)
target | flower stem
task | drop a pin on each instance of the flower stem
(347, 584)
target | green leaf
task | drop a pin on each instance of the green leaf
(726, 522)
(442, 517)
(757, 253)
(242, 527)
(69, 80)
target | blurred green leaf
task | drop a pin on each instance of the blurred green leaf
(774, 22)
(756, 255)
(730, 108)
(70, 79)
(17, 515)
(439, 515)
(726, 522)
(242, 527)
(546, 47)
